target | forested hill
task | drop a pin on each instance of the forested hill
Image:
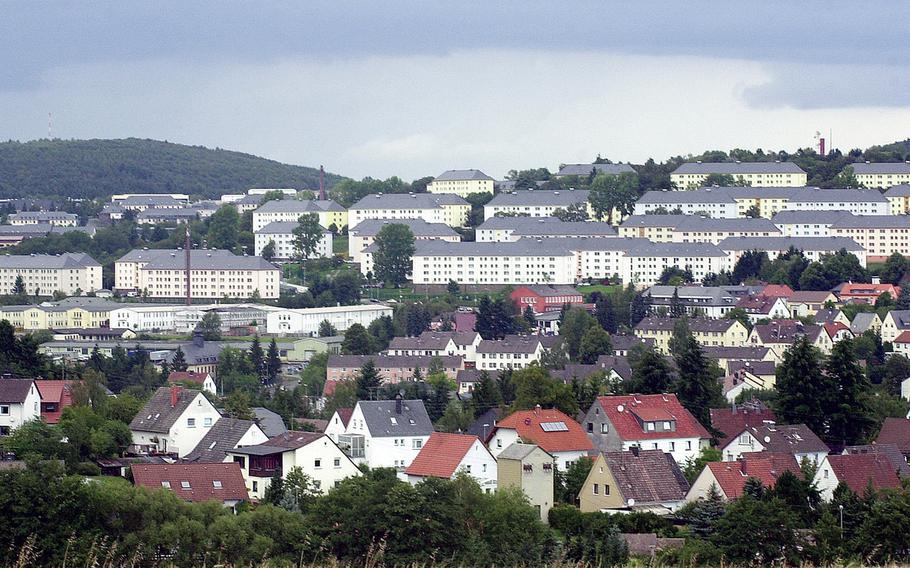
(99, 168)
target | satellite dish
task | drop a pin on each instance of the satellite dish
(620, 408)
(767, 439)
(631, 502)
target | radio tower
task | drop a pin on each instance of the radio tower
(321, 183)
(186, 248)
(49, 126)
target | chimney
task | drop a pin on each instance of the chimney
(398, 403)
(635, 450)
(175, 391)
(198, 339)
(537, 410)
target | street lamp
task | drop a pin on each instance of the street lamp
(841, 510)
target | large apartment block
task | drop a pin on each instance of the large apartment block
(508, 229)
(695, 228)
(213, 273)
(461, 183)
(536, 202)
(446, 208)
(290, 210)
(44, 274)
(281, 233)
(363, 235)
(755, 174)
(55, 218)
(881, 174)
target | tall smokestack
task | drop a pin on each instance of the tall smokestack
(186, 248)
(322, 183)
(821, 147)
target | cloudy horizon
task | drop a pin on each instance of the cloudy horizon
(413, 88)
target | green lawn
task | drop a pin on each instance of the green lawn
(340, 245)
(606, 290)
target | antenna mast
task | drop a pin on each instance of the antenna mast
(186, 248)
(49, 137)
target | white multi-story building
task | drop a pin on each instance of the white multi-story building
(756, 174)
(282, 234)
(807, 223)
(174, 420)
(856, 201)
(213, 273)
(306, 321)
(508, 229)
(880, 235)
(535, 203)
(512, 352)
(433, 208)
(20, 402)
(643, 265)
(140, 202)
(362, 236)
(899, 199)
(119, 198)
(812, 247)
(55, 218)
(881, 174)
(713, 202)
(290, 210)
(386, 433)
(695, 228)
(44, 274)
(461, 182)
(585, 170)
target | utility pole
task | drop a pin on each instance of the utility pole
(187, 246)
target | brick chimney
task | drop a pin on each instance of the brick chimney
(198, 339)
(175, 392)
(537, 410)
(398, 403)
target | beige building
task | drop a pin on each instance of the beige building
(880, 235)
(633, 480)
(43, 274)
(290, 210)
(881, 174)
(895, 323)
(755, 174)
(695, 228)
(71, 313)
(528, 468)
(363, 235)
(213, 273)
(708, 332)
(899, 199)
(433, 208)
(55, 218)
(462, 183)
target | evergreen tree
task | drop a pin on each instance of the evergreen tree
(368, 381)
(506, 386)
(273, 362)
(530, 317)
(179, 362)
(19, 286)
(455, 418)
(326, 329)
(605, 314)
(849, 420)
(357, 341)
(573, 329)
(676, 307)
(802, 388)
(257, 357)
(650, 373)
(638, 309)
(486, 394)
(696, 383)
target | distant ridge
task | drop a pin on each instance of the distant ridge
(99, 168)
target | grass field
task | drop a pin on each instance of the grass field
(340, 245)
(599, 288)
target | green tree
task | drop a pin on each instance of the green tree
(257, 357)
(272, 362)
(456, 418)
(692, 468)
(394, 249)
(178, 363)
(326, 329)
(452, 288)
(803, 388)
(19, 286)
(210, 326)
(896, 266)
(224, 226)
(651, 374)
(573, 329)
(368, 381)
(357, 341)
(534, 386)
(574, 213)
(771, 527)
(848, 420)
(268, 251)
(609, 193)
(530, 317)
(237, 405)
(594, 343)
(696, 383)
(847, 178)
(574, 479)
(486, 394)
(307, 235)
(638, 310)
(605, 314)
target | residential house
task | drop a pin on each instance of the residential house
(837, 331)
(55, 396)
(511, 352)
(545, 298)
(856, 471)
(553, 431)
(194, 482)
(706, 301)
(779, 335)
(227, 434)
(529, 468)
(730, 421)
(386, 433)
(437, 344)
(725, 355)
(461, 182)
(203, 381)
(338, 423)
(447, 455)
(896, 322)
(808, 302)
(729, 478)
(743, 375)
(895, 431)
(649, 422)
(320, 458)
(290, 210)
(536, 203)
(392, 368)
(20, 402)
(633, 480)
(831, 315)
(797, 440)
(624, 344)
(894, 455)
(173, 421)
(708, 332)
(849, 292)
(865, 321)
(762, 307)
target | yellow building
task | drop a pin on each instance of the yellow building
(633, 480)
(881, 174)
(530, 469)
(755, 174)
(899, 199)
(445, 208)
(65, 314)
(708, 332)
(462, 183)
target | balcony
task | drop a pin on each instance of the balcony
(352, 445)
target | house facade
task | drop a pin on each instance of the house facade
(173, 421)
(386, 433)
(530, 469)
(20, 402)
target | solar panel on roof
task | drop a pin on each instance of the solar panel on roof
(554, 427)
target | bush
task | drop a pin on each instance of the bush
(87, 469)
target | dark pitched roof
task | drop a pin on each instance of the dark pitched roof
(15, 390)
(158, 415)
(649, 477)
(461, 175)
(483, 426)
(224, 435)
(857, 471)
(787, 439)
(586, 169)
(786, 331)
(894, 455)
(895, 431)
(194, 481)
(738, 168)
(731, 421)
(383, 419)
(270, 421)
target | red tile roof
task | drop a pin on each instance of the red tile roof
(778, 290)
(624, 413)
(731, 476)
(832, 328)
(896, 431)
(528, 425)
(904, 337)
(866, 290)
(858, 470)
(202, 479)
(186, 376)
(731, 421)
(54, 391)
(345, 414)
(442, 453)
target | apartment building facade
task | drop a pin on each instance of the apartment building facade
(44, 274)
(755, 174)
(461, 183)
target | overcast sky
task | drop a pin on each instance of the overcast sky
(413, 88)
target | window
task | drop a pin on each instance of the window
(216, 484)
(207, 421)
(590, 427)
(606, 489)
(337, 462)
(596, 489)
(689, 445)
(255, 486)
(317, 463)
(604, 428)
(184, 484)
(167, 484)
(498, 443)
(418, 443)
(4, 409)
(484, 468)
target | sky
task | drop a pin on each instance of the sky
(413, 88)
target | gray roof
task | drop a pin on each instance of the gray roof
(158, 415)
(407, 201)
(902, 190)
(459, 175)
(872, 222)
(298, 206)
(734, 168)
(862, 322)
(419, 227)
(814, 194)
(393, 361)
(44, 215)
(182, 213)
(809, 217)
(705, 195)
(279, 228)
(15, 391)
(784, 243)
(585, 169)
(647, 476)
(200, 259)
(66, 260)
(547, 290)
(542, 226)
(648, 221)
(412, 421)
(881, 167)
(224, 435)
(711, 195)
(24, 230)
(510, 344)
(700, 223)
(741, 353)
(901, 318)
(519, 451)
(537, 197)
(677, 249)
(270, 422)
(696, 325)
(150, 200)
(789, 439)
(705, 295)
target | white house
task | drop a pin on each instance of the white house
(338, 423)
(173, 421)
(227, 434)
(797, 440)
(20, 402)
(386, 433)
(447, 455)
(313, 452)
(552, 430)
(306, 321)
